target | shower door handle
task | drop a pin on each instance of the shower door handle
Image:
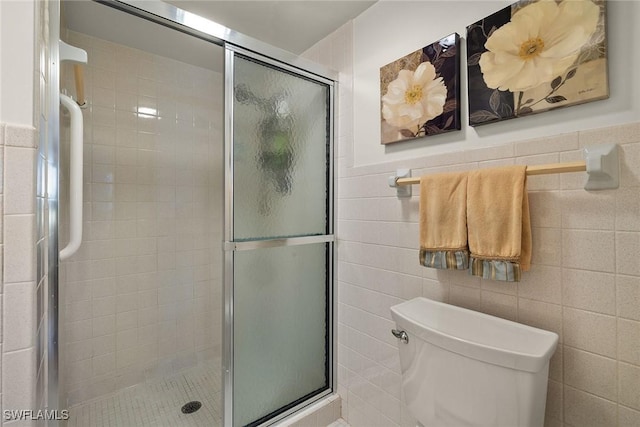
(75, 178)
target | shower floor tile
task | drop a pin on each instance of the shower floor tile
(157, 403)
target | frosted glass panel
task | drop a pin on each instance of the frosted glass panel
(280, 153)
(280, 333)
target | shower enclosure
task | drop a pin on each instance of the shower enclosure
(202, 292)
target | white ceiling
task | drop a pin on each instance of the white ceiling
(293, 25)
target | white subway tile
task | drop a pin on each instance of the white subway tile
(627, 208)
(77, 311)
(102, 97)
(104, 306)
(541, 315)
(78, 331)
(19, 248)
(498, 286)
(627, 248)
(541, 283)
(103, 116)
(103, 78)
(621, 134)
(590, 331)
(103, 192)
(589, 250)
(104, 364)
(435, 290)
(545, 208)
(556, 364)
(546, 246)
(104, 344)
(18, 374)
(572, 181)
(103, 325)
(583, 409)
(19, 186)
(126, 320)
(79, 350)
(126, 156)
(591, 373)
(629, 160)
(17, 316)
(466, 297)
(489, 153)
(553, 410)
(628, 339)
(628, 417)
(589, 210)
(563, 142)
(461, 278)
(78, 291)
(126, 339)
(20, 136)
(628, 295)
(102, 211)
(498, 304)
(629, 377)
(103, 154)
(589, 290)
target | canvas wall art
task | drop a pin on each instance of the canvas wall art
(420, 92)
(534, 56)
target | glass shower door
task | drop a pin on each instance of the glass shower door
(279, 238)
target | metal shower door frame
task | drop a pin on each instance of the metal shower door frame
(233, 41)
(230, 247)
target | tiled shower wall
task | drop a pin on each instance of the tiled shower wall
(19, 367)
(584, 283)
(142, 297)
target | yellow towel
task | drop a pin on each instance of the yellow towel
(499, 224)
(443, 222)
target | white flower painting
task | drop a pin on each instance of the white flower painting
(414, 98)
(420, 92)
(534, 56)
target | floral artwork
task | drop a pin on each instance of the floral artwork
(420, 92)
(534, 56)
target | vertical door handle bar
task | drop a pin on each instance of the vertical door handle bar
(75, 178)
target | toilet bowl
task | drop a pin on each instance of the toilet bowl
(464, 368)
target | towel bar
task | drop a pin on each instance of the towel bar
(601, 164)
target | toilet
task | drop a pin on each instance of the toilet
(463, 368)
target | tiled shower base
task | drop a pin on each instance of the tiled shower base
(158, 403)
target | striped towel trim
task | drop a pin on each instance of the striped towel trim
(445, 260)
(506, 271)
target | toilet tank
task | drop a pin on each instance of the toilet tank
(464, 368)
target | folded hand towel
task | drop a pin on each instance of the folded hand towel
(443, 222)
(498, 222)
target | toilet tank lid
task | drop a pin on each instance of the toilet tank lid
(476, 335)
